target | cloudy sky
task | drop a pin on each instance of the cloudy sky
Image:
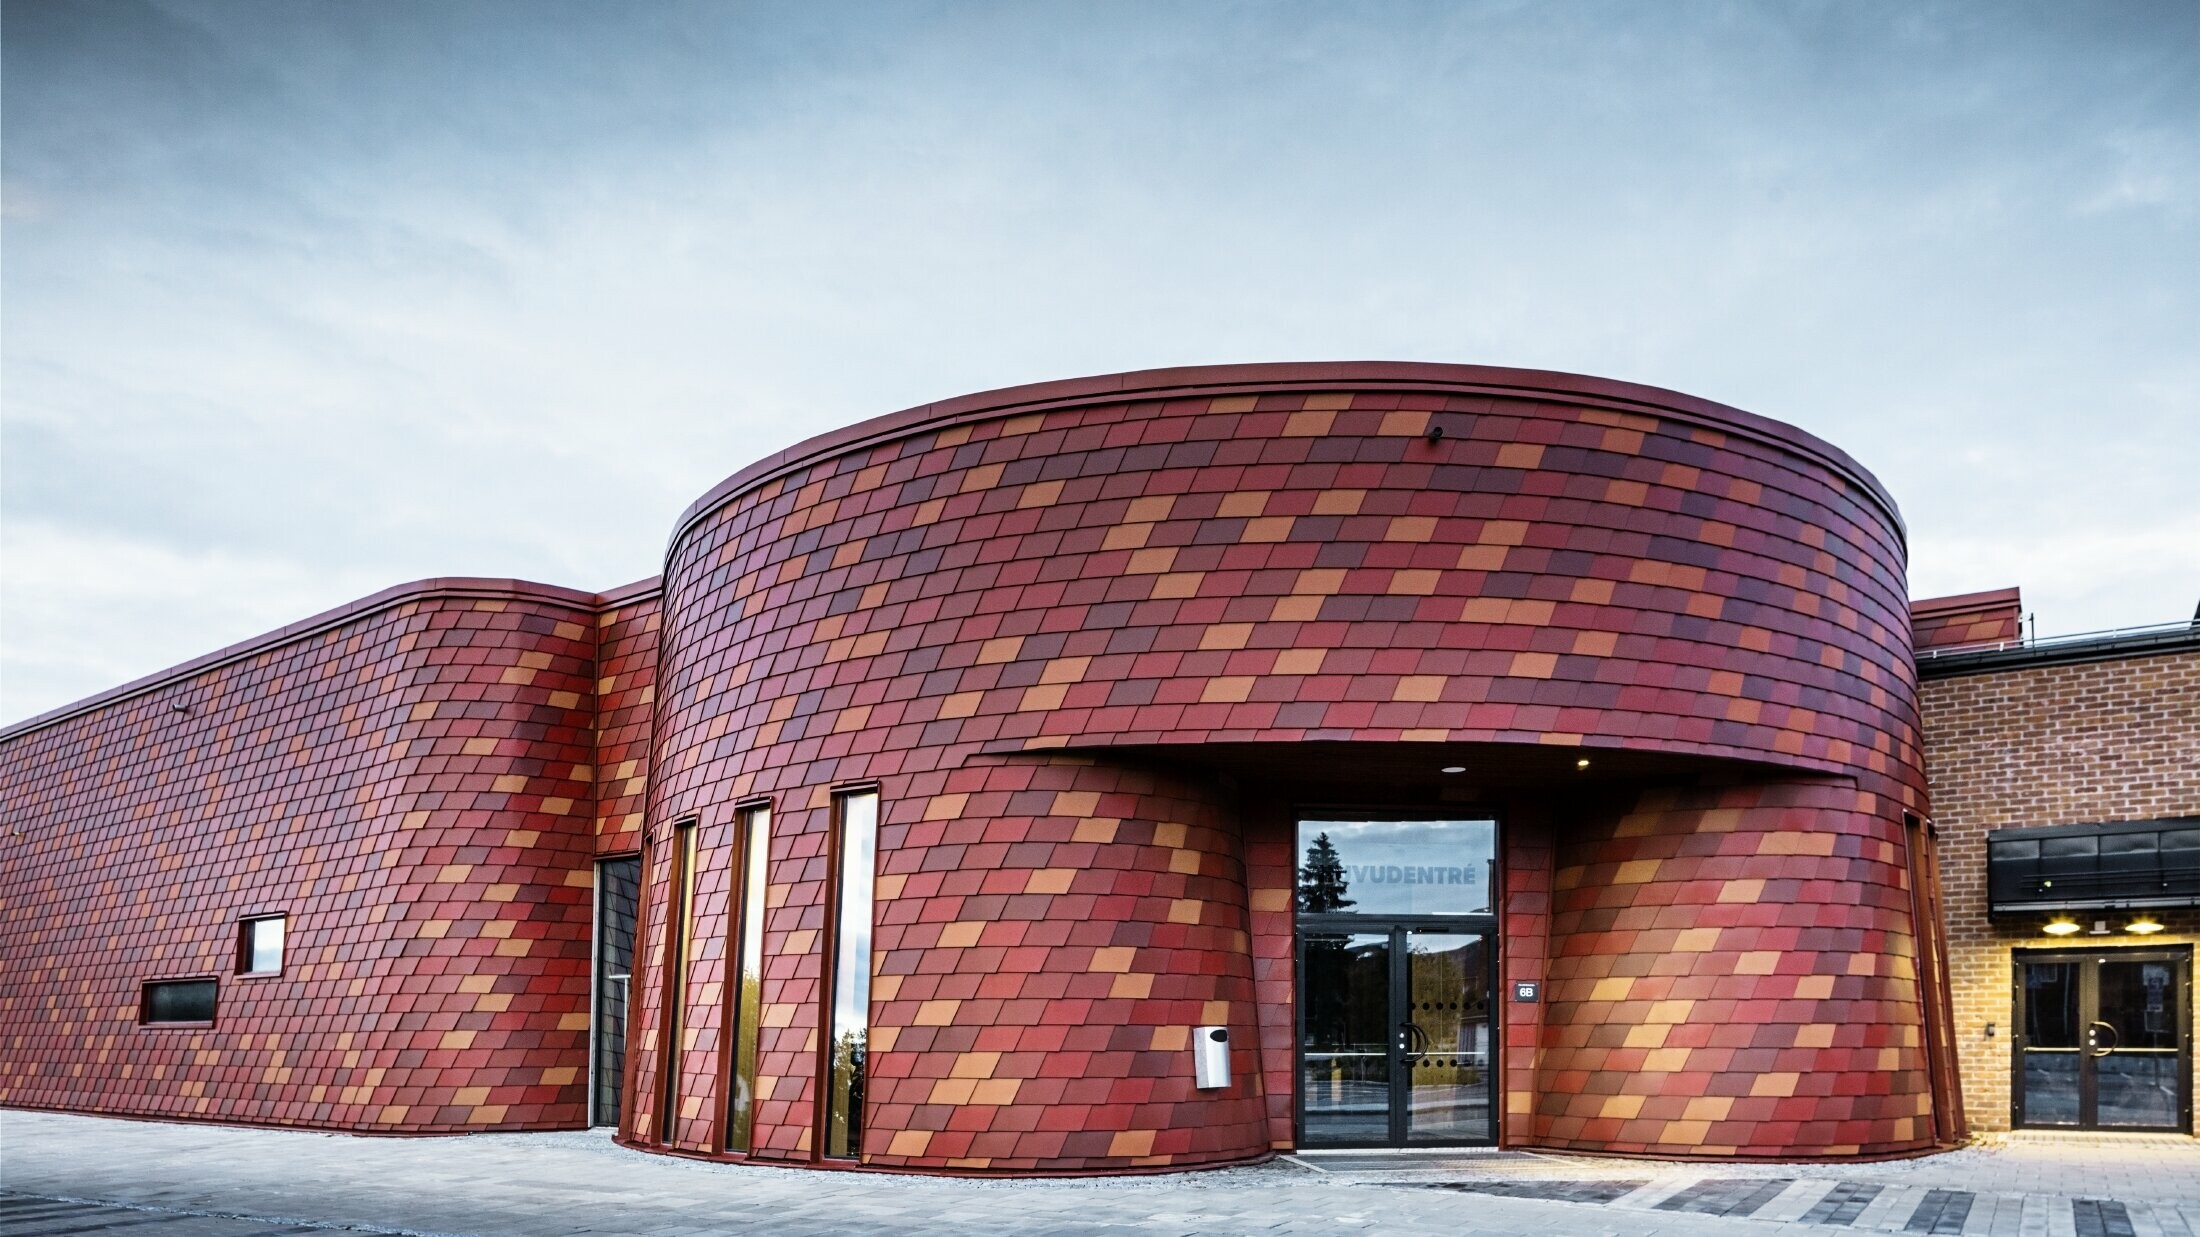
(301, 300)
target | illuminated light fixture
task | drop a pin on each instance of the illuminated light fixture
(2060, 927)
(1455, 768)
(2144, 925)
(1582, 763)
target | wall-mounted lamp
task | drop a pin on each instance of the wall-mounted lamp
(179, 706)
(1454, 769)
(2144, 925)
(1435, 432)
(1582, 763)
(2060, 927)
(1989, 1030)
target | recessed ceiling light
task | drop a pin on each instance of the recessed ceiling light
(2060, 927)
(1455, 768)
(1582, 763)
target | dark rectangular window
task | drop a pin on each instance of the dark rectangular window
(618, 884)
(851, 1009)
(260, 945)
(753, 883)
(176, 1000)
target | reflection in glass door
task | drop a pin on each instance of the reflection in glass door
(1446, 1056)
(1397, 1042)
(1396, 968)
(2104, 1040)
(1345, 1069)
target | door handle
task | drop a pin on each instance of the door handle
(1412, 1041)
(2093, 1038)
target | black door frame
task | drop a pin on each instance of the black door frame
(2088, 1009)
(1400, 929)
(1336, 924)
(599, 975)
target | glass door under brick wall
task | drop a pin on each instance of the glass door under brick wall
(2104, 1039)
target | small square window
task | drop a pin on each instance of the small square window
(260, 946)
(171, 1001)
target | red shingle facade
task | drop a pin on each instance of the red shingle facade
(1096, 645)
(409, 780)
(1968, 621)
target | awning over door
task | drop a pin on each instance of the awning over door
(2116, 865)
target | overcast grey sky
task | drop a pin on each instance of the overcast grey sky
(302, 300)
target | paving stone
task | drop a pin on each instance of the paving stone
(291, 1182)
(2093, 1217)
(1941, 1212)
(1724, 1197)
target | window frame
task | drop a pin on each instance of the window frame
(145, 1002)
(836, 880)
(740, 1048)
(245, 926)
(679, 929)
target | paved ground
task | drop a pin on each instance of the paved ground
(67, 1175)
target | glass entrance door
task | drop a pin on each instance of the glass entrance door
(1345, 1070)
(1444, 1050)
(1396, 966)
(2104, 1040)
(1397, 1047)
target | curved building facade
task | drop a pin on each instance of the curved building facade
(1170, 768)
(1097, 649)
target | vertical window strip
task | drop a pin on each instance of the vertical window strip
(851, 1008)
(676, 962)
(756, 825)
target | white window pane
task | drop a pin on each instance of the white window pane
(267, 944)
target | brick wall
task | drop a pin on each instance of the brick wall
(2048, 745)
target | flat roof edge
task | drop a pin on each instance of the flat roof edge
(2076, 652)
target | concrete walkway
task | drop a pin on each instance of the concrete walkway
(66, 1175)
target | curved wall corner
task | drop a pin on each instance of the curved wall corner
(1286, 558)
(1733, 973)
(406, 781)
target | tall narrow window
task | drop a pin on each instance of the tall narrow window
(851, 1012)
(676, 977)
(756, 844)
(618, 894)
